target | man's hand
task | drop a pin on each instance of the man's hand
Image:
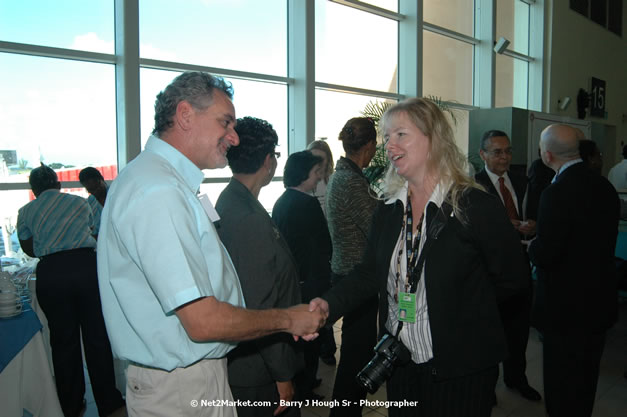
(528, 228)
(286, 393)
(317, 304)
(304, 322)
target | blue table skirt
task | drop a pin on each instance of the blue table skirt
(621, 243)
(16, 332)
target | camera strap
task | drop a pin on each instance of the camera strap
(434, 228)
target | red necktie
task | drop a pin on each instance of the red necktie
(509, 202)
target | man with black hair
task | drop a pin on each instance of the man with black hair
(58, 228)
(95, 184)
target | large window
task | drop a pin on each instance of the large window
(74, 24)
(455, 15)
(448, 68)
(353, 61)
(63, 115)
(512, 68)
(355, 48)
(305, 66)
(244, 35)
(512, 76)
(512, 22)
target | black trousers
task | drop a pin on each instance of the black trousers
(67, 290)
(327, 342)
(515, 314)
(571, 371)
(467, 396)
(260, 393)
(359, 336)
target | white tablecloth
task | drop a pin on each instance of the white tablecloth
(26, 383)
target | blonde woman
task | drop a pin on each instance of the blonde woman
(444, 252)
(321, 148)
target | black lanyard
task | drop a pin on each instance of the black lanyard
(411, 247)
(433, 231)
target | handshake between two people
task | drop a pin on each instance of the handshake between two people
(306, 320)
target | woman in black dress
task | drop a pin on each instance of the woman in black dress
(299, 217)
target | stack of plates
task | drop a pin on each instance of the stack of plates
(10, 300)
(10, 304)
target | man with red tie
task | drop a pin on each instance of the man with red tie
(511, 189)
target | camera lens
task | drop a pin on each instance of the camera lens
(378, 370)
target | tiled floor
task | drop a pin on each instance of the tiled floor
(611, 392)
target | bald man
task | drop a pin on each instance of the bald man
(576, 298)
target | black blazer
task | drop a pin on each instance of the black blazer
(302, 224)
(540, 177)
(269, 279)
(519, 182)
(574, 252)
(467, 270)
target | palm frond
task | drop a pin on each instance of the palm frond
(444, 106)
(375, 110)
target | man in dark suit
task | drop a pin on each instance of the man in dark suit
(496, 152)
(577, 285)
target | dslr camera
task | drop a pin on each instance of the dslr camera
(389, 352)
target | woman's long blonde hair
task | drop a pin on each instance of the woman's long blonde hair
(445, 162)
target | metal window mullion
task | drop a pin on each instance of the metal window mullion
(356, 90)
(537, 83)
(59, 53)
(410, 49)
(179, 66)
(301, 105)
(369, 8)
(517, 55)
(127, 81)
(450, 33)
(484, 57)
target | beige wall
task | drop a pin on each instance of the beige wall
(579, 49)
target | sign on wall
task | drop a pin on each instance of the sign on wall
(597, 92)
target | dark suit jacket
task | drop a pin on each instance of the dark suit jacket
(574, 252)
(302, 223)
(268, 276)
(540, 177)
(520, 188)
(469, 267)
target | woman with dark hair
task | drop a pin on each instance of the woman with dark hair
(299, 217)
(350, 205)
(261, 369)
(441, 254)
